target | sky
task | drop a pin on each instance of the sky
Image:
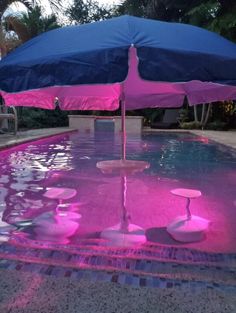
(108, 1)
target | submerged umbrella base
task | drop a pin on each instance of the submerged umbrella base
(186, 229)
(56, 227)
(122, 166)
(116, 236)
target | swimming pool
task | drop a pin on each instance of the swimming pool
(177, 160)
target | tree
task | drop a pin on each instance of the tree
(86, 11)
(31, 24)
(165, 10)
(26, 26)
(4, 5)
(216, 15)
(132, 7)
(29, 4)
(169, 10)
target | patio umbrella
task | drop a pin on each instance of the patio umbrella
(133, 61)
(93, 67)
(88, 67)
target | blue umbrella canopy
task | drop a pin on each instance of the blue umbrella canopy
(98, 53)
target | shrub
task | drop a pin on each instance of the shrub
(217, 125)
(190, 125)
(31, 118)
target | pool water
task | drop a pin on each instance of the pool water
(177, 160)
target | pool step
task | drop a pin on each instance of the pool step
(117, 263)
(147, 251)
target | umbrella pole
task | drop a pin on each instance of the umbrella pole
(123, 130)
(125, 217)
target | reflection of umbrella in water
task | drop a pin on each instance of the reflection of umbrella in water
(124, 233)
(60, 194)
(89, 67)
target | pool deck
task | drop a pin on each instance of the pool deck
(23, 292)
(227, 138)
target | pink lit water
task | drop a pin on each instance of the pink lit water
(69, 161)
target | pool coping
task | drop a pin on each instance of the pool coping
(9, 140)
(226, 138)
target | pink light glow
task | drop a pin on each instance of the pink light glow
(202, 139)
(149, 201)
(150, 209)
(25, 294)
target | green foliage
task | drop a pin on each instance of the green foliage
(216, 15)
(226, 113)
(203, 14)
(29, 4)
(31, 118)
(166, 10)
(225, 25)
(36, 23)
(217, 125)
(183, 115)
(170, 10)
(133, 7)
(86, 11)
(190, 125)
(150, 115)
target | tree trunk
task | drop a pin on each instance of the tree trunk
(195, 114)
(207, 114)
(19, 28)
(4, 4)
(3, 48)
(203, 113)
